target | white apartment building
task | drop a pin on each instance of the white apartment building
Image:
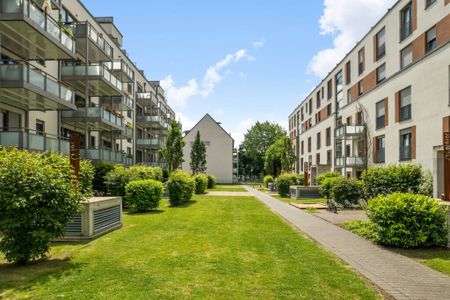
(386, 102)
(64, 71)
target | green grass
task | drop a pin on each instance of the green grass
(227, 188)
(295, 201)
(213, 248)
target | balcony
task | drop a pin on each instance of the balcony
(32, 34)
(100, 80)
(147, 99)
(349, 131)
(31, 140)
(120, 103)
(150, 143)
(350, 162)
(30, 89)
(151, 122)
(91, 44)
(106, 155)
(121, 69)
(97, 119)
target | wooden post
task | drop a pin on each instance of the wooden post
(446, 142)
(305, 174)
(75, 154)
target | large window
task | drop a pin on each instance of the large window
(431, 39)
(405, 144)
(309, 145)
(406, 21)
(302, 147)
(405, 104)
(381, 114)
(329, 89)
(360, 88)
(381, 73)
(381, 43)
(339, 83)
(380, 149)
(318, 98)
(319, 141)
(361, 60)
(406, 57)
(310, 106)
(328, 136)
(40, 127)
(348, 72)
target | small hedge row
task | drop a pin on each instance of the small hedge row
(201, 183)
(212, 181)
(181, 187)
(143, 195)
(283, 182)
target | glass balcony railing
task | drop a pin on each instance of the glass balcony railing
(32, 140)
(21, 73)
(96, 112)
(150, 142)
(85, 30)
(106, 155)
(350, 130)
(123, 102)
(349, 162)
(121, 66)
(33, 12)
(93, 70)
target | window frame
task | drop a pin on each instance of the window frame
(407, 107)
(378, 73)
(405, 132)
(430, 45)
(380, 158)
(382, 53)
(406, 32)
(402, 65)
(378, 118)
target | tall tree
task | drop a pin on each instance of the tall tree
(280, 157)
(172, 152)
(256, 142)
(198, 155)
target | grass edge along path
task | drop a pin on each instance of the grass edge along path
(213, 248)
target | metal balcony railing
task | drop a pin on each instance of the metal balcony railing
(28, 139)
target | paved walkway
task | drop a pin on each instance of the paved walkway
(397, 275)
(342, 216)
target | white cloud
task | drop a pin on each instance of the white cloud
(179, 96)
(259, 44)
(347, 21)
(241, 129)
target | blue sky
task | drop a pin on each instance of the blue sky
(241, 61)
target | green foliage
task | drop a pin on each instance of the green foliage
(365, 229)
(37, 198)
(212, 181)
(426, 184)
(172, 152)
(407, 220)
(181, 188)
(326, 185)
(298, 179)
(324, 176)
(198, 155)
(279, 157)
(283, 182)
(101, 170)
(267, 179)
(87, 173)
(143, 195)
(402, 178)
(166, 175)
(347, 192)
(201, 183)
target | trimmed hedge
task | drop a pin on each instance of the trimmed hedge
(283, 182)
(346, 192)
(181, 188)
(201, 183)
(212, 181)
(143, 195)
(407, 220)
(267, 179)
(37, 199)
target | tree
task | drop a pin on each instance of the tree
(257, 141)
(280, 157)
(172, 152)
(198, 156)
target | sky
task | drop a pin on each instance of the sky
(241, 61)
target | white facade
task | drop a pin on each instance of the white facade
(219, 149)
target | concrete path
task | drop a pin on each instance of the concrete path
(397, 275)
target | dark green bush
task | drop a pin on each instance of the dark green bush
(37, 198)
(267, 179)
(402, 178)
(407, 220)
(201, 183)
(212, 181)
(101, 170)
(283, 182)
(165, 175)
(181, 188)
(326, 185)
(87, 173)
(298, 179)
(365, 229)
(346, 192)
(327, 175)
(143, 195)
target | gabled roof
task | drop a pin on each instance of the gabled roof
(218, 124)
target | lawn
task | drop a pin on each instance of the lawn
(213, 248)
(305, 201)
(227, 188)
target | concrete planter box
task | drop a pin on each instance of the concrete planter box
(99, 215)
(304, 192)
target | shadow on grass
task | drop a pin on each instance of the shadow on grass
(150, 212)
(18, 277)
(184, 205)
(426, 253)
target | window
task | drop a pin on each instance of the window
(310, 106)
(380, 149)
(330, 89)
(302, 116)
(406, 21)
(309, 144)
(318, 99)
(428, 3)
(339, 82)
(431, 39)
(381, 73)
(329, 109)
(329, 157)
(317, 159)
(381, 114)
(328, 136)
(319, 141)
(302, 147)
(360, 88)
(405, 144)
(380, 44)
(405, 104)
(406, 57)
(348, 73)
(302, 162)
(361, 61)
(40, 127)
(349, 120)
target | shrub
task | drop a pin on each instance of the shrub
(408, 220)
(283, 182)
(426, 184)
(101, 170)
(327, 175)
(298, 179)
(201, 183)
(402, 178)
(365, 229)
(143, 195)
(346, 192)
(37, 198)
(165, 175)
(326, 185)
(212, 181)
(87, 173)
(181, 187)
(267, 179)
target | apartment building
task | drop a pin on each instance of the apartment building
(386, 102)
(64, 71)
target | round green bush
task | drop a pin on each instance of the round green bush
(37, 199)
(326, 186)
(408, 220)
(101, 170)
(283, 182)
(346, 192)
(298, 179)
(181, 188)
(201, 183)
(143, 195)
(212, 181)
(267, 179)
(327, 175)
